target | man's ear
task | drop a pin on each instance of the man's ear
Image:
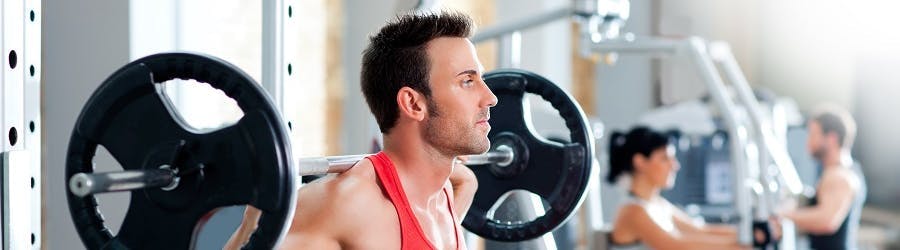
(411, 104)
(833, 138)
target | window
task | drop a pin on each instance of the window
(232, 30)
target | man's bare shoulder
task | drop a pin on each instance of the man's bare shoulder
(839, 178)
(338, 198)
(330, 209)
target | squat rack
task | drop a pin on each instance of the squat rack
(20, 118)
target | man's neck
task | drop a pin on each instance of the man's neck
(422, 170)
(837, 158)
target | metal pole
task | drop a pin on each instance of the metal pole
(272, 50)
(721, 53)
(509, 50)
(20, 147)
(499, 30)
(638, 46)
(737, 135)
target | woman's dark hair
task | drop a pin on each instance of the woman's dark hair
(623, 147)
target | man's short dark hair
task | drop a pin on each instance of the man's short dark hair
(833, 119)
(396, 57)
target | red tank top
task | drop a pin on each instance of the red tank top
(411, 234)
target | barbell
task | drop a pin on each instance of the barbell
(168, 178)
(178, 175)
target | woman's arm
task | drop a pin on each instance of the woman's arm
(650, 233)
(687, 224)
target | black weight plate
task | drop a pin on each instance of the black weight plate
(245, 163)
(557, 172)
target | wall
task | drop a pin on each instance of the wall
(625, 90)
(808, 58)
(877, 83)
(361, 19)
(83, 43)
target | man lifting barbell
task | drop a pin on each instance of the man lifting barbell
(423, 82)
(414, 193)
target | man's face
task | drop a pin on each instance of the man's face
(815, 140)
(459, 107)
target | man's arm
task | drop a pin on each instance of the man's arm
(464, 186)
(835, 196)
(312, 227)
(248, 225)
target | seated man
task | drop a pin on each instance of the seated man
(833, 217)
(422, 81)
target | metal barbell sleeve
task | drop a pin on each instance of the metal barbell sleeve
(82, 184)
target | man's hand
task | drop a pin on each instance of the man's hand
(785, 207)
(248, 226)
(464, 186)
(774, 231)
(775, 223)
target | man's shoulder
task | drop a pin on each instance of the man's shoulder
(356, 185)
(839, 177)
(338, 201)
(332, 206)
(342, 195)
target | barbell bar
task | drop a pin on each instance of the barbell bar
(166, 178)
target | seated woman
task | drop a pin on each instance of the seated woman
(648, 158)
